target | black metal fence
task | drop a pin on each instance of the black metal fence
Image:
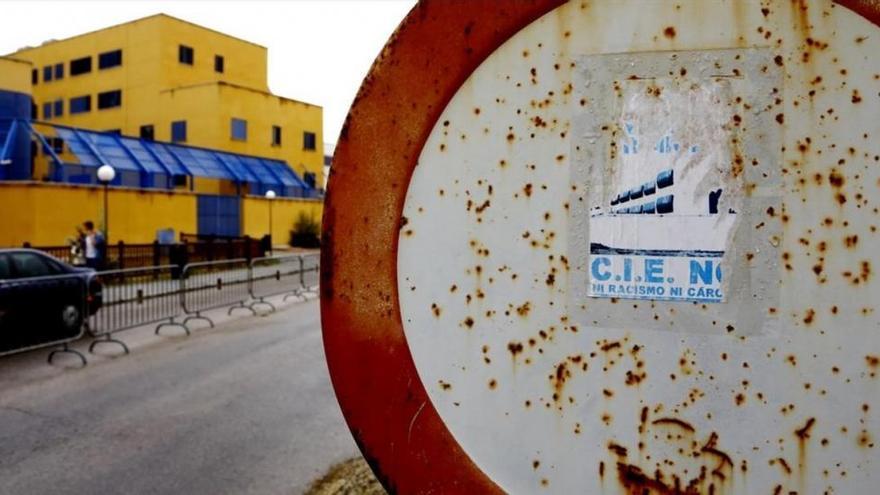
(311, 271)
(275, 276)
(113, 301)
(215, 284)
(135, 297)
(192, 249)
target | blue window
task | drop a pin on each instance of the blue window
(665, 179)
(648, 207)
(109, 99)
(624, 197)
(615, 201)
(80, 66)
(148, 133)
(59, 108)
(47, 73)
(107, 60)
(186, 55)
(309, 140)
(649, 188)
(310, 179)
(59, 71)
(665, 204)
(239, 129)
(178, 131)
(47, 111)
(80, 104)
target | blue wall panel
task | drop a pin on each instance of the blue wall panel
(14, 105)
(219, 215)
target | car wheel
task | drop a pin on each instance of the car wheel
(71, 317)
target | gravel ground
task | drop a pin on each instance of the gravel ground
(352, 477)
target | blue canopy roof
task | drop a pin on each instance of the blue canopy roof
(77, 153)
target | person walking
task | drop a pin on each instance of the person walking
(93, 245)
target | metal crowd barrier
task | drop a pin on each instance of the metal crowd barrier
(273, 276)
(135, 297)
(214, 284)
(311, 272)
(45, 311)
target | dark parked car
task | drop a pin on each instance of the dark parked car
(42, 299)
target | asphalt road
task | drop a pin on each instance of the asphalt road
(246, 407)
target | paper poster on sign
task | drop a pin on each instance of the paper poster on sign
(662, 221)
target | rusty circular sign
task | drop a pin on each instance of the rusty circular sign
(612, 247)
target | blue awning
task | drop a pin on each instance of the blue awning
(235, 164)
(84, 154)
(77, 153)
(166, 158)
(201, 163)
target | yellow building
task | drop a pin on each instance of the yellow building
(167, 79)
(184, 116)
(15, 75)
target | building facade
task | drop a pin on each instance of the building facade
(183, 114)
(167, 79)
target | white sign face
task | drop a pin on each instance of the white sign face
(551, 388)
(665, 214)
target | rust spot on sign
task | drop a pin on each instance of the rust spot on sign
(803, 433)
(610, 346)
(515, 348)
(618, 450)
(673, 421)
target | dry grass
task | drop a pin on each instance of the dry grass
(352, 477)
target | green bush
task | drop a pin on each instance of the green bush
(306, 232)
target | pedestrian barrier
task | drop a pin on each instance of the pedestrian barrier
(135, 297)
(54, 311)
(310, 270)
(214, 284)
(39, 312)
(274, 276)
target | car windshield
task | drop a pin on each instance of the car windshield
(5, 271)
(32, 265)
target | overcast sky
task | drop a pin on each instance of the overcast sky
(319, 51)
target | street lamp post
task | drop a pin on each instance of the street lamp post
(106, 174)
(270, 195)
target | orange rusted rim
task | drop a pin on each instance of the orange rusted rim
(436, 47)
(869, 9)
